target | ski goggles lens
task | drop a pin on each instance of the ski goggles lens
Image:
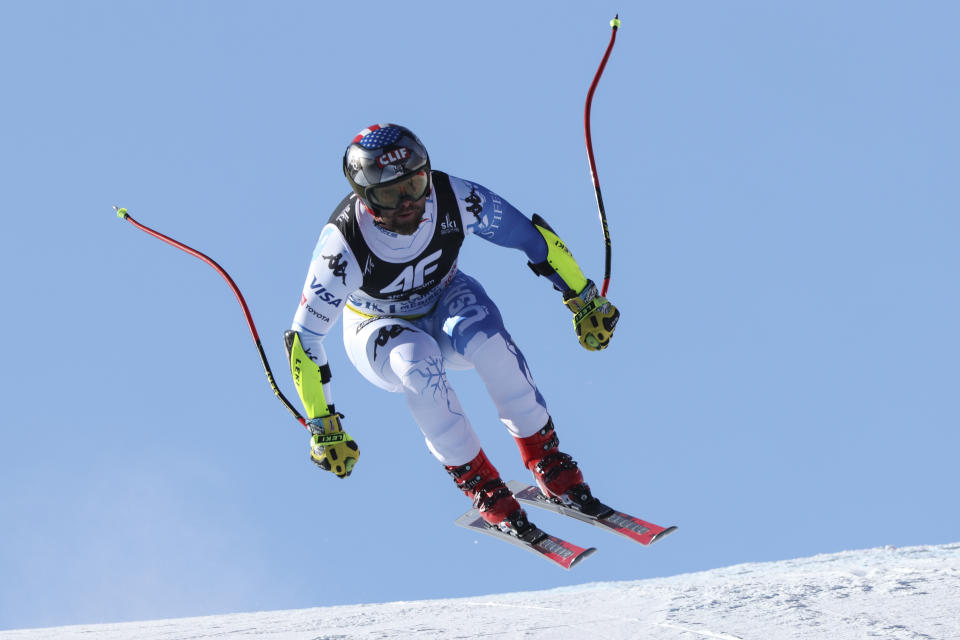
(389, 196)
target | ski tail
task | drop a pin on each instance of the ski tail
(558, 551)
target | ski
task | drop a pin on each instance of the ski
(560, 552)
(600, 515)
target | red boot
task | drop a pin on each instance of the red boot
(481, 482)
(556, 472)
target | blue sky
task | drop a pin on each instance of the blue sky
(781, 184)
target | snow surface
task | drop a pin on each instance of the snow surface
(884, 593)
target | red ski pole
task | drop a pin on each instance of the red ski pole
(122, 213)
(614, 24)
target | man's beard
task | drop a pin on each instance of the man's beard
(406, 225)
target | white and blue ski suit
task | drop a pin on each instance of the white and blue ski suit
(409, 314)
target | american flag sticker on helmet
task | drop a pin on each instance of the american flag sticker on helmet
(378, 135)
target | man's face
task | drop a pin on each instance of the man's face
(405, 219)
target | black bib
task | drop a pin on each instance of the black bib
(402, 280)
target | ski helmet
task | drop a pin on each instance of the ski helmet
(385, 164)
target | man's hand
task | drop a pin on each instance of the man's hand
(331, 448)
(594, 317)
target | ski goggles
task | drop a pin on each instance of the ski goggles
(390, 195)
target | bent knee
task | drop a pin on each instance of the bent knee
(418, 364)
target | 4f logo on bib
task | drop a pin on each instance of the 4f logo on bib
(413, 276)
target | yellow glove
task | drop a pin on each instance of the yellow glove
(331, 448)
(594, 317)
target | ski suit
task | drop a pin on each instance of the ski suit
(409, 314)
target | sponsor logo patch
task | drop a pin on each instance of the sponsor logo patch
(337, 266)
(449, 225)
(390, 157)
(383, 337)
(474, 202)
(323, 294)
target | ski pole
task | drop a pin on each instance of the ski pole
(614, 25)
(122, 213)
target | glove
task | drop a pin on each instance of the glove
(331, 448)
(594, 317)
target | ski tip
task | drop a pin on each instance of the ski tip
(663, 534)
(583, 556)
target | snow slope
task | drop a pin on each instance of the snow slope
(883, 593)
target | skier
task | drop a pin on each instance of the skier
(387, 262)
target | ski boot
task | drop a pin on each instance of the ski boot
(481, 482)
(556, 473)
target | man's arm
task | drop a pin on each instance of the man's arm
(492, 218)
(332, 276)
(489, 216)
